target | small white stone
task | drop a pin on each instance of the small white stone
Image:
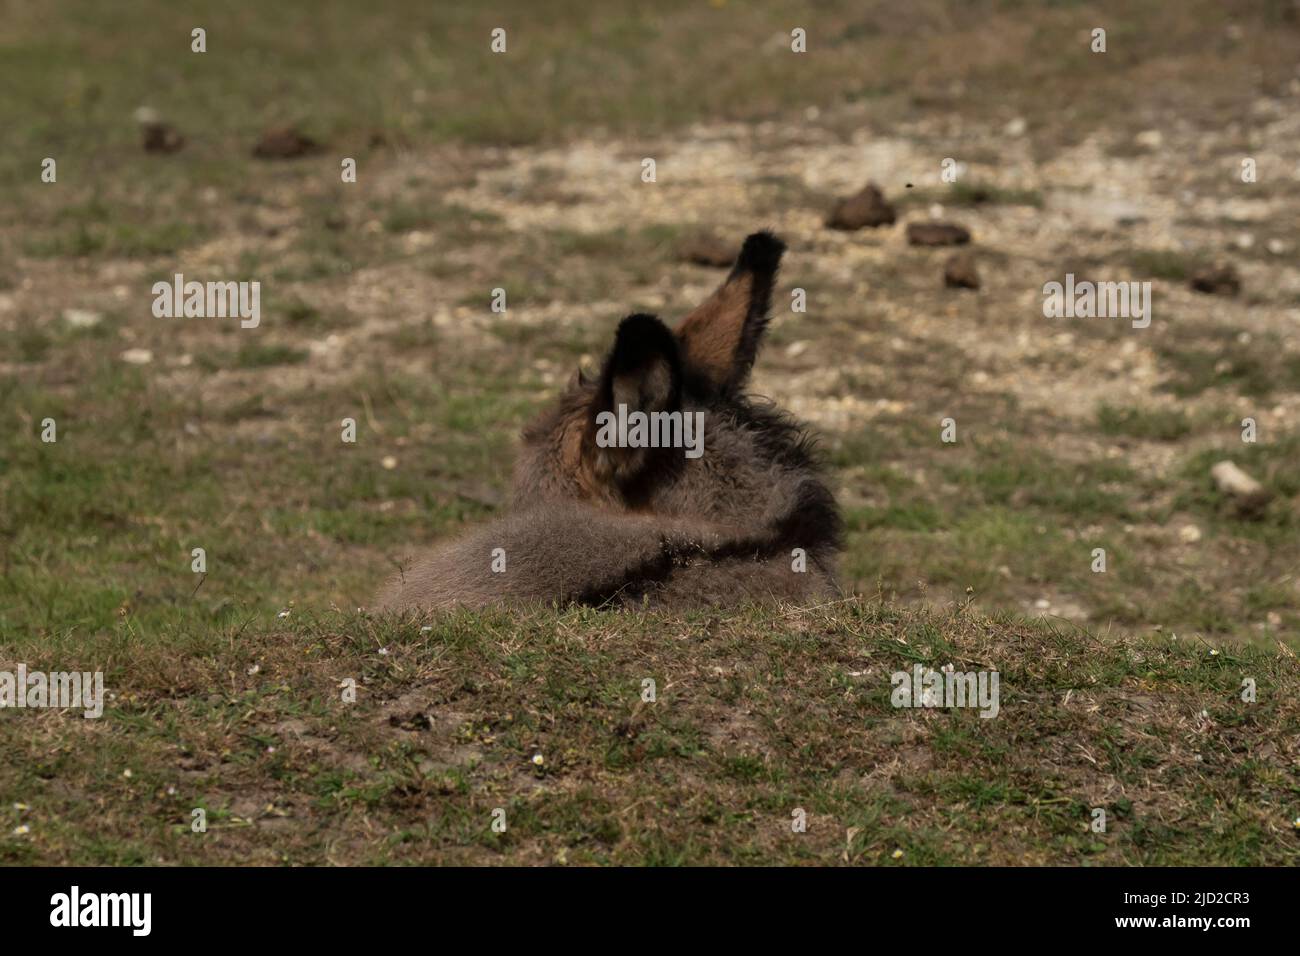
(82, 318)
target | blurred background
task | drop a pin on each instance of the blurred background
(521, 170)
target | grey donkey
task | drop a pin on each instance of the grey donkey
(606, 518)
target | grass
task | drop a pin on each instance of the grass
(755, 716)
(963, 193)
(127, 241)
(1164, 264)
(377, 309)
(425, 72)
(1204, 358)
(1150, 424)
(262, 356)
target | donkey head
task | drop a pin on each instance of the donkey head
(754, 473)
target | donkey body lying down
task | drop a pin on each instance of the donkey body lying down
(746, 516)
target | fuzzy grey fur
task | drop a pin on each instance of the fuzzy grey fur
(589, 528)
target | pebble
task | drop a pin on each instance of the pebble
(82, 318)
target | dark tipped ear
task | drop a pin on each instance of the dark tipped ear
(643, 372)
(720, 337)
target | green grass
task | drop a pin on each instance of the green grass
(1163, 264)
(1011, 524)
(376, 308)
(261, 356)
(1204, 357)
(104, 519)
(1150, 424)
(710, 773)
(964, 193)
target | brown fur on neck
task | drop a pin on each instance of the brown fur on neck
(610, 526)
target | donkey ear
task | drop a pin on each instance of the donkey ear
(719, 338)
(643, 373)
(642, 370)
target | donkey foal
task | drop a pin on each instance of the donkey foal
(606, 514)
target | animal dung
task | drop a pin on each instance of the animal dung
(865, 208)
(157, 135)
(284, 142)
(959, 272)
(707, 250)
(1217, 280)
(937, 234)
(161, 138)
